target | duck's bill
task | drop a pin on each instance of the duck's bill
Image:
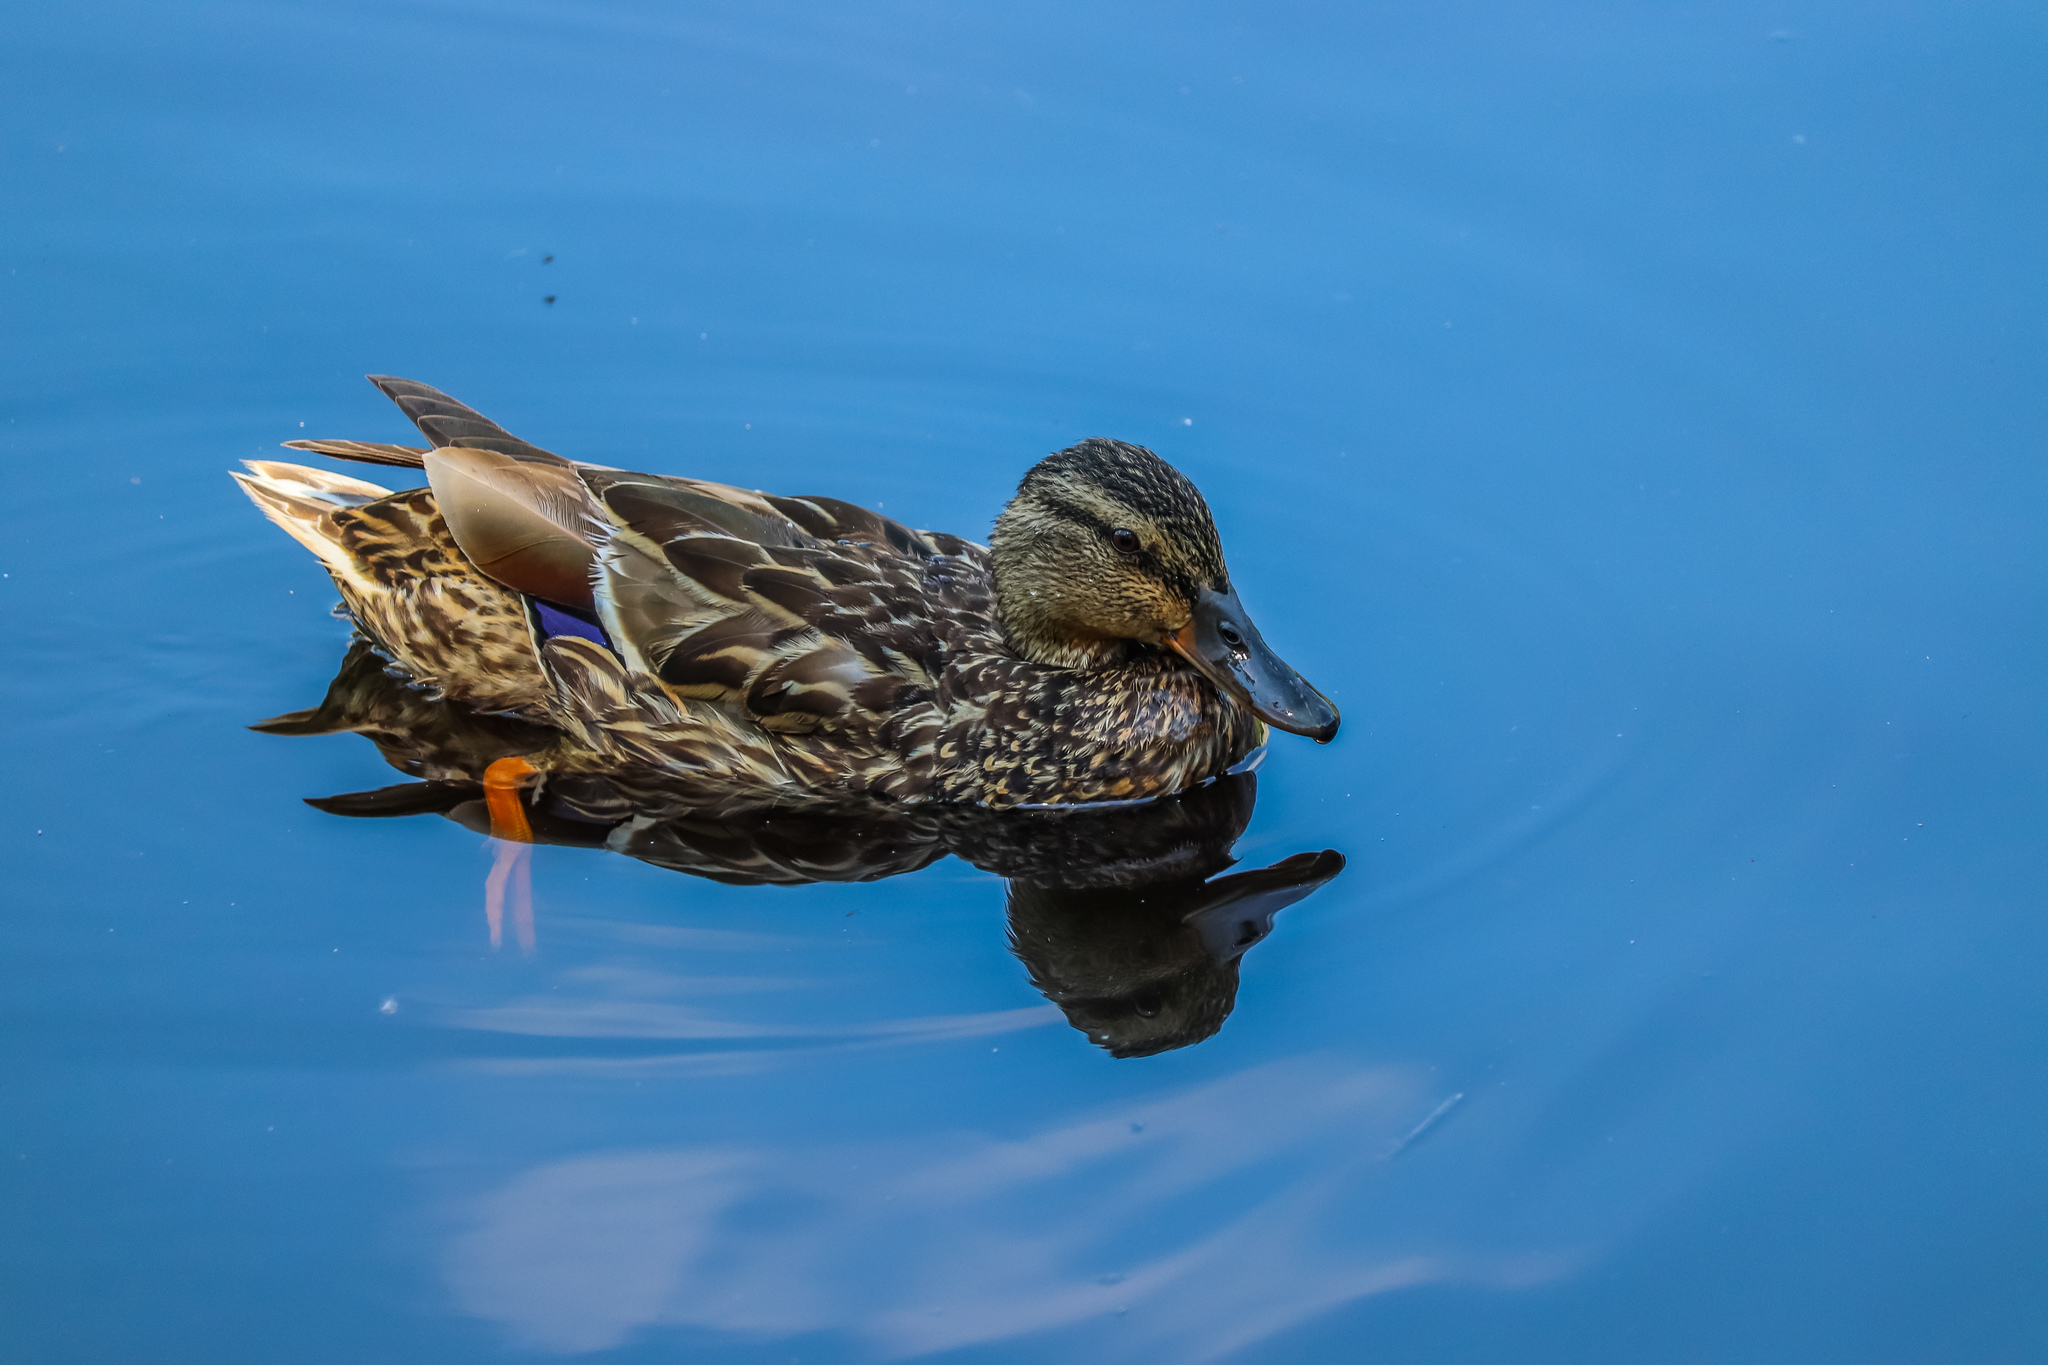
(1223, 643)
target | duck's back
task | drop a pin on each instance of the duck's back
(883, 669)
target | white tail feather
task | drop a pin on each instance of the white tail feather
(336, 490)
(304, 517)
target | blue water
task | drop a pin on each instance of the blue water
(1631, 416)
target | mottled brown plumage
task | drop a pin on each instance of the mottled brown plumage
(767, 651)
(408, 586)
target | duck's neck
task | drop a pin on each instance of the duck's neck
(1037, 633)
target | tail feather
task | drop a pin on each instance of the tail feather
(305, 516)
(365, 452)
(446, 422)
(319, 485)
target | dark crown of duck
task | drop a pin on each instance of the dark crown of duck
(1105, 543)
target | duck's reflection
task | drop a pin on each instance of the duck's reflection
(1120, 915)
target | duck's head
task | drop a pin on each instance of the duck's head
(1107, 544)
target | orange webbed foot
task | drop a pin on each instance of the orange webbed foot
(502, 783)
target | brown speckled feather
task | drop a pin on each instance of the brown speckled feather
(410, 589)
(880, 671)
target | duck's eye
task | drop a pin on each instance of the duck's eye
(1126, 542)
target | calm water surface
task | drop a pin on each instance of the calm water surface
(1632, 418)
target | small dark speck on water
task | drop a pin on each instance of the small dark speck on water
(547, 298)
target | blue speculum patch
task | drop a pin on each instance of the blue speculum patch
(557, 620)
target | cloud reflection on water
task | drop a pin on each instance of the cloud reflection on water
(616, 1003)
(1168, 1217)
(540, 1018)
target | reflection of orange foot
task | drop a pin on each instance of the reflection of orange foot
(511, 866)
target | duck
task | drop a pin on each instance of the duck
(748, 651)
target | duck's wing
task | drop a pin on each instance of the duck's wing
(801, 612)
(521, 513)
(810, 616)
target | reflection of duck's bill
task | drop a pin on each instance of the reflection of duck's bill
(1221, 641)
(1237, 911)
(1152, 967)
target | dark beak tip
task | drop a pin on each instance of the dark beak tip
(1321, 734)
(1311, 726)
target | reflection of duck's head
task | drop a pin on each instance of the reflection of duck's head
(1105, 544)
(1149, 968)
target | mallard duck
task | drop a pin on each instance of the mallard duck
(765, 651)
